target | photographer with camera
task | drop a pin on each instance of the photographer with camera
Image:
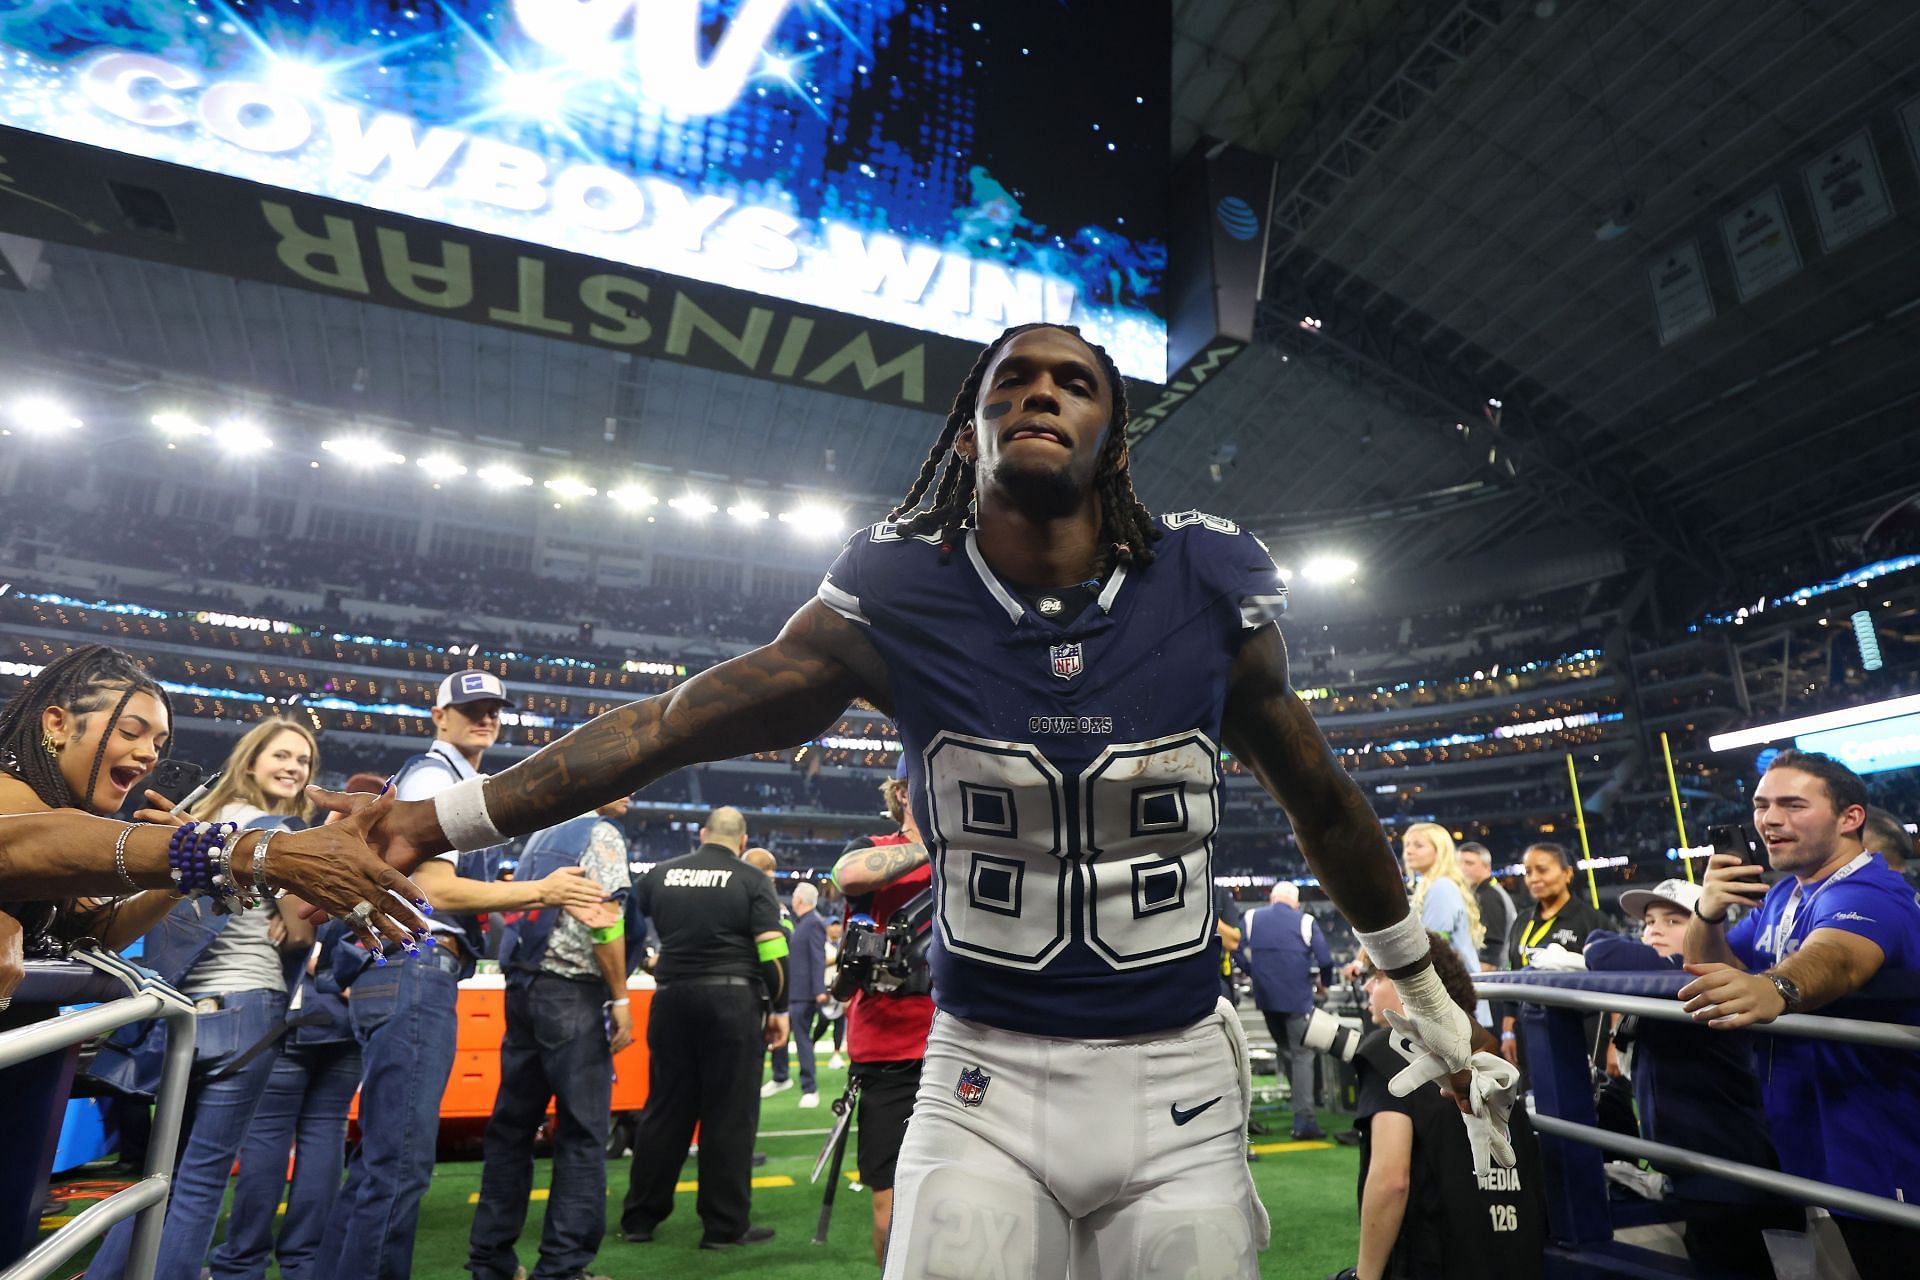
(1288, 957)
(886, 1031)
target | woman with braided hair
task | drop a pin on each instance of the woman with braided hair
(73, 743)
(1064, 669)
(79, 736)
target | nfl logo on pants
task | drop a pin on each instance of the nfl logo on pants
(972, 1088)
(1066, 660)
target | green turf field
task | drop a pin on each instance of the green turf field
(1308, 1189)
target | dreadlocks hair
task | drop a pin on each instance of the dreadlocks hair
(1127, 528)
(83, 681)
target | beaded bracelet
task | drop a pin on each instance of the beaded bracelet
(186, 863)
(194, 858)
(225, 837)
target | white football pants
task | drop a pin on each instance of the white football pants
(1121, 1159)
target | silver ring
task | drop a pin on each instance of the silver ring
(362, 912)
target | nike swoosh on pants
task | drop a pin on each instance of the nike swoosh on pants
(1181, 1117)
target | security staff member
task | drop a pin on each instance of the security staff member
(721, 996)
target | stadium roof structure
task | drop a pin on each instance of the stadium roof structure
(1471, 196)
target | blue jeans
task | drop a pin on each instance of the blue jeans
(800, 1019)
(305, 1106)
(405, 1016)
(555, 1047)
(219, 1112)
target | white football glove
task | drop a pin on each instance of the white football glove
(1435, 1036)
(1557, 959)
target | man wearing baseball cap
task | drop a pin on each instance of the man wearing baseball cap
(1695, 1089)
(405, 1010)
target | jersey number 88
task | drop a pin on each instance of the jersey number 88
(1007, 852)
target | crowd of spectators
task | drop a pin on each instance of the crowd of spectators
(205, 560)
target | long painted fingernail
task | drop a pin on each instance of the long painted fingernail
(379, 957)
(388, 787)
(413, 949)
(426, 908)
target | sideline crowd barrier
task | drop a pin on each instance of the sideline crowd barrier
(38, 1054)
(1581, 1217)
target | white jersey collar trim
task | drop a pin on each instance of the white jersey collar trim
(1008, 601)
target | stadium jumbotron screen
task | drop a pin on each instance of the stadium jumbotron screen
(882, 159)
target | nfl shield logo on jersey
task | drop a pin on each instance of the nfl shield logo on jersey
(972, 1087)
(1066, 660)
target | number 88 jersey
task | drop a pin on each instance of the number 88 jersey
(1065, 771)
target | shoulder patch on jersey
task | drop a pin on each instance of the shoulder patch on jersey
(1181, 519)
(889, 531)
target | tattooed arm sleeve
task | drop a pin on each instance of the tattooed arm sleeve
(1269, 730)
(864, 870)
(777, 696)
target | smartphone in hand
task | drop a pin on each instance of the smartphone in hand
(175, 779)
(1731, 837)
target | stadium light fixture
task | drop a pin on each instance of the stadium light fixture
(568, 487)
(814, 521)
(1329, 568)
(632, 497)
(498, 477)
(363, 451)
(1840, 719)
(241, 438)
(748, 512)
(39, 416)
(440, 467)
(179, 426)
(692, 505)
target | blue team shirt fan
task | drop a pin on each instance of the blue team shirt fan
(1065, 771)
(1824, 1098)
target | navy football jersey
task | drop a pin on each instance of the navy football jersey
(1065, 772)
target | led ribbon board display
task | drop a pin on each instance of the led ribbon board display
(1869, 748)
(948, 168)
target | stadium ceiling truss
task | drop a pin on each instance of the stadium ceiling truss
(1446, 167)
(1466, 211)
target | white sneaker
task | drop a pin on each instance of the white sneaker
(772, 1087)
(809, 1100)
(836, 1062)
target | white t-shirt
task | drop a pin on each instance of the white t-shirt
(427, 781)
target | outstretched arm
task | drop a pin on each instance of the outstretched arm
(1267, 727)
(777, 696)
(1269, 730)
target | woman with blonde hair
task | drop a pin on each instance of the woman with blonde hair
(240, 968)
(266, 775)
(1442, 898)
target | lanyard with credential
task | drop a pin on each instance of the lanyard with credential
(1789, 915)
(1531, 936)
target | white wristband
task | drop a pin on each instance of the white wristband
(462, 812)
(1394, 947)
(622, 1002)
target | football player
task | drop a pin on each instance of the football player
(1064, 669)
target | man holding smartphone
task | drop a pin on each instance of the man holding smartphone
(1838, 917)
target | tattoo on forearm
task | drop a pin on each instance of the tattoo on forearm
(1272, 731)
(774, 697)
(893, 861)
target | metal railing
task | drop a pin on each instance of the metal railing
(148, 1196)
(1598, 993)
